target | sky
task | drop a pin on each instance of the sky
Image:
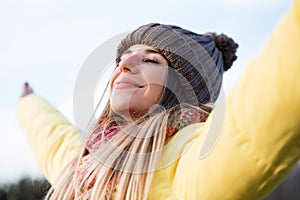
(46, 42)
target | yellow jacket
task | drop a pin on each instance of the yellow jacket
(258, 145)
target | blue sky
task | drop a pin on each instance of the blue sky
(46, 42)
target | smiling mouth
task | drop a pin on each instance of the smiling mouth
(125, 82)
(123, 85)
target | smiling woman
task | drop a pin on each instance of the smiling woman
(146, 142)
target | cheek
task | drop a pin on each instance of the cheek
(153, 95)
(156, 83)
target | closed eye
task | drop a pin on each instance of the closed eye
(151, 61)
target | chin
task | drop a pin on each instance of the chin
(119, 107)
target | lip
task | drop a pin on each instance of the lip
(124, 82)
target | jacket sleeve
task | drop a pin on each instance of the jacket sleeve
(55, 142)
(260, 138)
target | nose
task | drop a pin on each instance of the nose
(129, 63)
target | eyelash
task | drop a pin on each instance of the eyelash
(151, 61)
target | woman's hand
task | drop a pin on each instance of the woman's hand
(26, 90)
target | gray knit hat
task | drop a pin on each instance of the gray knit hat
(199, 59)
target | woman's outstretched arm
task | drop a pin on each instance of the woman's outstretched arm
(55, 142)
(260, 139)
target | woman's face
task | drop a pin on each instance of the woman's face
(138, 81)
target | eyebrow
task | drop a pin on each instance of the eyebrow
(147, 51)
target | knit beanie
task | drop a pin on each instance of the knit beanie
(198, 60)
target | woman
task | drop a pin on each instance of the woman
(247, 161)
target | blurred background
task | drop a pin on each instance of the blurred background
(45, 43)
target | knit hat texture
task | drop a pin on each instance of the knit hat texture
(195, 57)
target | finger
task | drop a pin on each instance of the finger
(25, 86)
(26, 90)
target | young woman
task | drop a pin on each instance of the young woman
(147, 141)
